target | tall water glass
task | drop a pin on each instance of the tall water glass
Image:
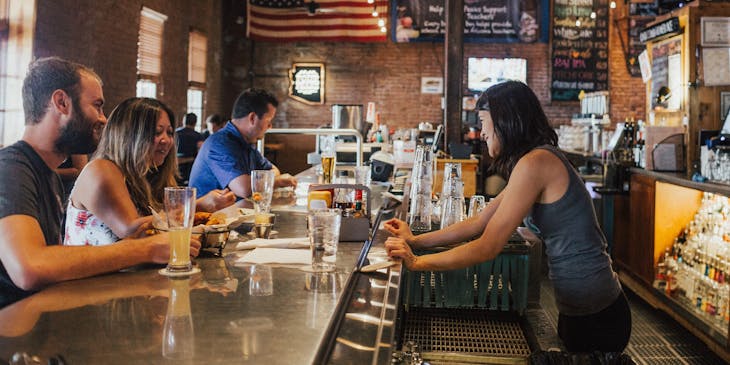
(262, 188)
(477, 203)
(180, 211)
(324, 236)
(419, 212)
(452, 211)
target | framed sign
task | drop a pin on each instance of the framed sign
(432, 85)
(306, 83)
(715, 31)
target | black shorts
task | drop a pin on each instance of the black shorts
(606, 331)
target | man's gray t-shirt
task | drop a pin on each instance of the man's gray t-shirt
(28, 187)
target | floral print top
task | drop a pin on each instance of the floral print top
(85, 229)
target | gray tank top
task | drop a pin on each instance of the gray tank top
(578, 263)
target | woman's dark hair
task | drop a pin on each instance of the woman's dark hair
(519, 123)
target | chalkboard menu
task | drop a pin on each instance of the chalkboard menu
(579, 59)
(306, 82)
(484, 20)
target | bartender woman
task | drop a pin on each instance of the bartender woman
(545, 191)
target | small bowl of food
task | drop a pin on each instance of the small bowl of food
(213, 230)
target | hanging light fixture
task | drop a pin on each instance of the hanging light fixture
(382, 29)
(375, 13)
(593, 15)
(613, 4)
(371, 1)
(381, 22)
(577, 22)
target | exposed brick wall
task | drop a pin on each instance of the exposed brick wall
(103, 35)
(628, 94)
(389, 74)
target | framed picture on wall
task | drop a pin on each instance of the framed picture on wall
(724, 104)
(306, 83)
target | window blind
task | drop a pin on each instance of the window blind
(197, 57)
(149, 45)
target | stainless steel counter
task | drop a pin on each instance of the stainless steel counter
(121, 318)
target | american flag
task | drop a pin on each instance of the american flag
(325, 20)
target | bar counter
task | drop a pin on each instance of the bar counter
(120, 318)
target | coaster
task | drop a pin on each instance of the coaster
(164, 272)
(308, 268)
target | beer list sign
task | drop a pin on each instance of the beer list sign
(579, 58)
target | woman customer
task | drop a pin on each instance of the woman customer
(128, 175)
(545, 190)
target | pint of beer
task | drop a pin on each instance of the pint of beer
(328, 168)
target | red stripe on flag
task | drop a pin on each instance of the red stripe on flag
(270, 24)
(305, 16)
(320, 39)
(312, 27)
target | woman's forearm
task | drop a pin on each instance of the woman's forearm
(456, 233)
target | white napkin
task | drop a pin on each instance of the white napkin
(292, 242)
(276, 256)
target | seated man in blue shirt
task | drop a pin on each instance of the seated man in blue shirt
(228, 156)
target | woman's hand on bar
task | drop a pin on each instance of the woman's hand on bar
(399, 248)
(400, 229)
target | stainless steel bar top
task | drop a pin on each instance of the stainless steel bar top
(260, 314)
(227, 314)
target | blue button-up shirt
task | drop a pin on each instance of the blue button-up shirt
(224, 156)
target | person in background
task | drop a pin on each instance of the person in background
(188, 144)
(63, 104)
(214, 123)
(116, 192)
(69, 170)
(545, 190)
(228, 157)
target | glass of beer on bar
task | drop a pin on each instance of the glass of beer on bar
(180, 211)
(328, 159)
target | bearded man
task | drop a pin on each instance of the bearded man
(63, 102)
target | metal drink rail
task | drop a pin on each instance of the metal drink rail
(317, 132)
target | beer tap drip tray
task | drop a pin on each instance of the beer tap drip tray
(471, 335)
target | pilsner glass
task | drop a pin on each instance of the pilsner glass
(328, 158)
(262, 189)
(180, 211)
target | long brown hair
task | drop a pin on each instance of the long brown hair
(128, 140)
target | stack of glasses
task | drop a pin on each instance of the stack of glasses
(419, 215)
(452, 195)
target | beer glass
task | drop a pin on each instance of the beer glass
(262, 189)
(180, 211)
(328, 158)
